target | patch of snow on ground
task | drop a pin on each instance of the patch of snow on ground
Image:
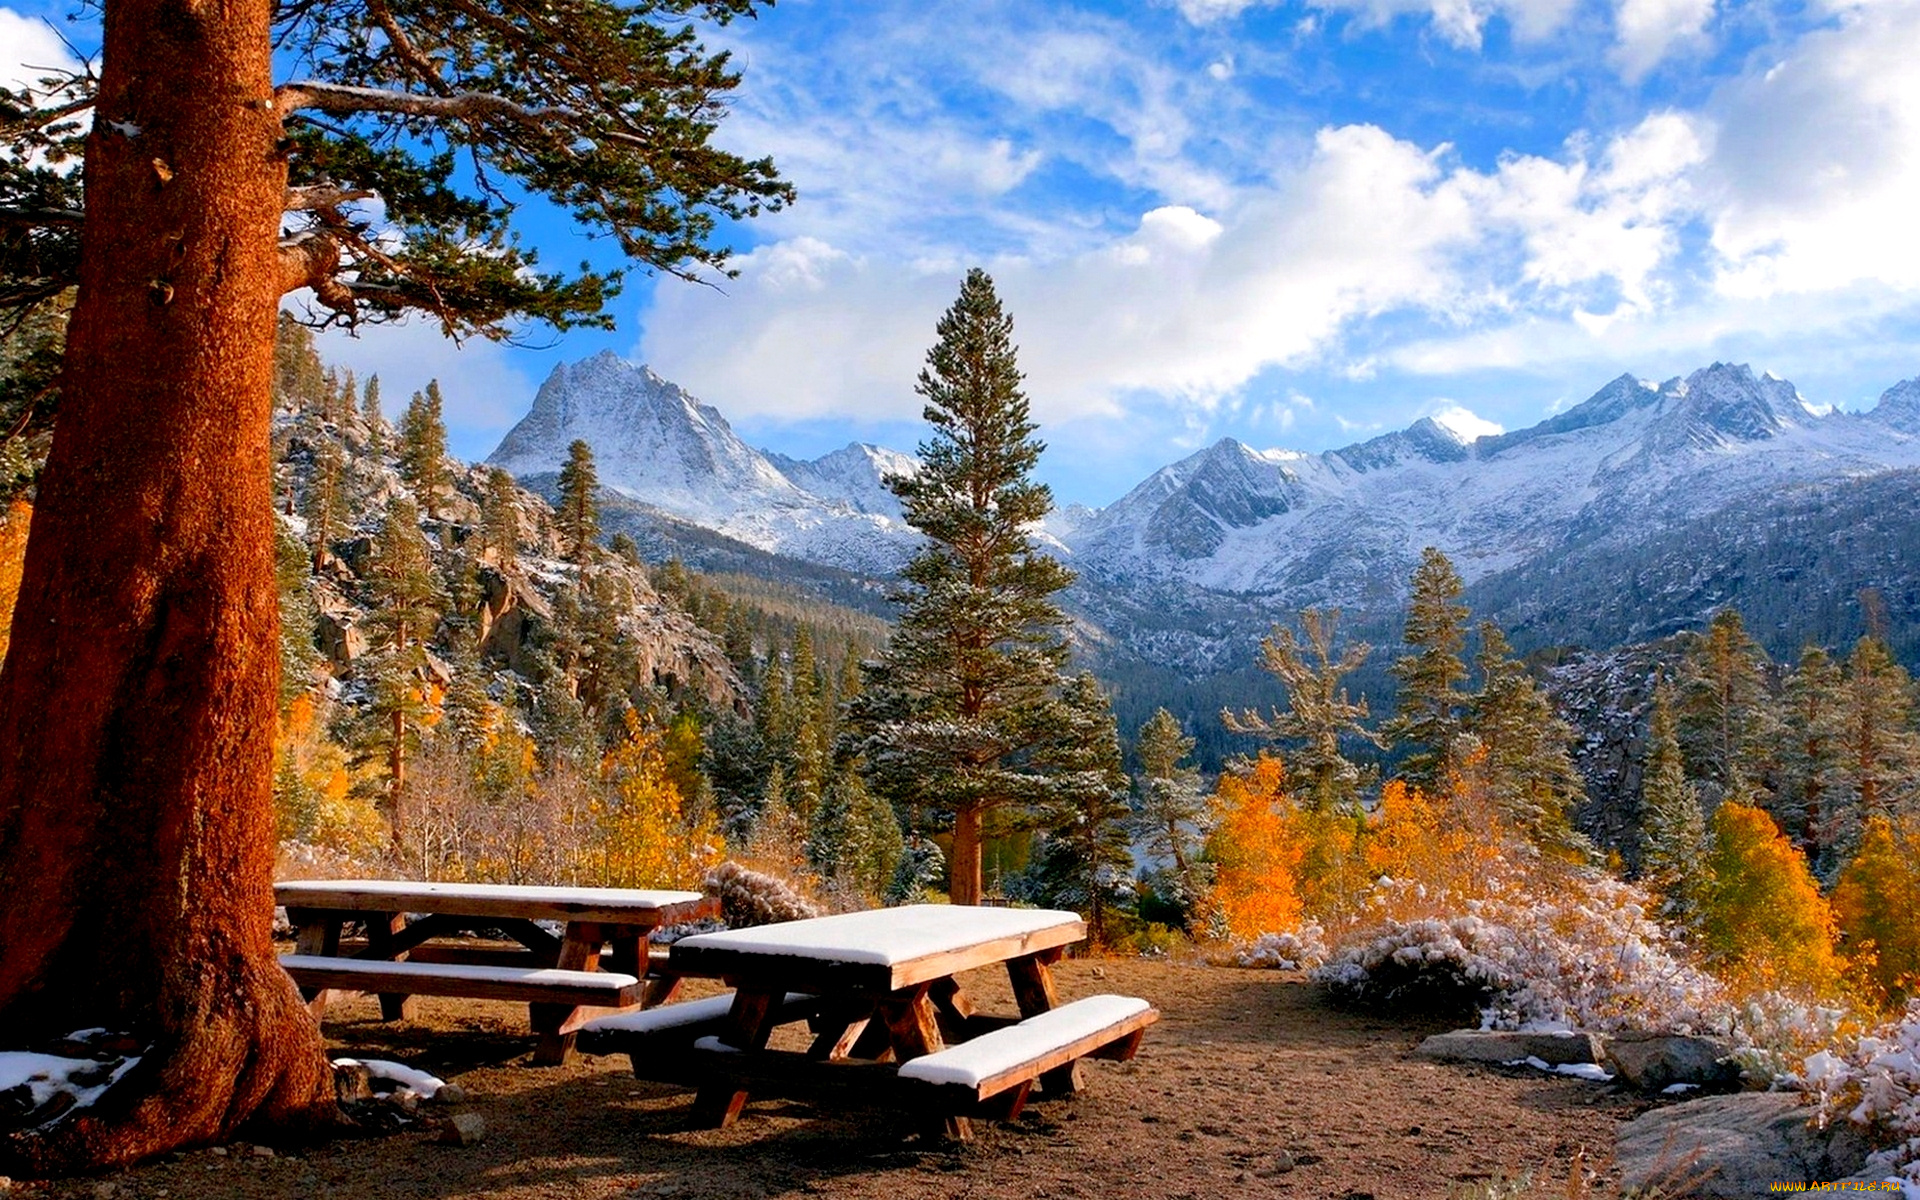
(46, 1075)
(408, 1079)
(1587, 1071)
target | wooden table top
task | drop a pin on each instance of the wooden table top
(612, 906)
(881, 949)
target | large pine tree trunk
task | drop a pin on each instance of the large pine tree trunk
(963, 868)
(137, 701)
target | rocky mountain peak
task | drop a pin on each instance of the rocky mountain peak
(1899, 406)
(1726, 403)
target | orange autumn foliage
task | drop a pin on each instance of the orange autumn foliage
(1255, 850)
(13, 553)
(1763, 920)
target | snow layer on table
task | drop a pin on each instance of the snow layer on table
(410, 1079)
(1588, 1071)
(403, 888)
(884, 936)
(611, 980)
(45, 1074)
(991, 1053)
(671, 1016)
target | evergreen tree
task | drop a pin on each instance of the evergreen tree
(1728, 723)
(500, 520)
(1813, 787)
(579, 508)
(299, 381)
(326, 502)
(1082, 860)
(423, 448)
(1882, 753)
(406, 594)
(1169, 806)
(376, 420)
(1318, 715)
(1429, 707)
(1529, 771)
(965, 688)
(1673, 833)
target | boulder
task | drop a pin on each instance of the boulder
(463, 1129)
(1500, 1046)
(1739, 1145)
(1653, 1062)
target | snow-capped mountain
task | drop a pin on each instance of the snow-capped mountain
(656, 445)
(1344, 527)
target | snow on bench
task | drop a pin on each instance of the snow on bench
(544, 985)
(683, 1017)
(884, 936)
(1019, 1054)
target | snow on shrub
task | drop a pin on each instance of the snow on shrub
(749, 897)
(1875, 1083)
(1586, 956)
(1302, 948)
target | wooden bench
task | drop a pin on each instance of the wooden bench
(576, 990)
(1006, 1063)
(631, 1033)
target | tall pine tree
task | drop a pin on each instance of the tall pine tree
(1429, 710)
(965, 689)
(407, 598)
(1530, 773)
(1882, 753)
(1813, 789)
(423, 448)
(1170, 807)
(1673, 832)
(1728, 722)
(1083, 860)
(579, 508)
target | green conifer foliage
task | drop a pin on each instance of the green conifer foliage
(1673, 832)
(579, 509)
(1882, 754)
(500, 520)
(965, 689)
(1528, 767)
(325, 508)
(407, 599)
(1318, 715)
(1729, 724)
(375, 419)
(423, 448)
(299, 381)
(1082, 860)
(1169, 806)
(1813, 797)
(1430, 703)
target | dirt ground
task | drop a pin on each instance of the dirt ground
(1250, 1085)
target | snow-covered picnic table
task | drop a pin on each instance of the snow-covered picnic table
(597, 964)
(887, 1004)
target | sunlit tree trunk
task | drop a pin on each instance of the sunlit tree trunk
(137, 702)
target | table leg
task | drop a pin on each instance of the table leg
(579, 951)
(749, 1024)
(913, 1029)
(383, 929)
(952, 1007)
(316, 931)
(1033, 989)
(839, 1028)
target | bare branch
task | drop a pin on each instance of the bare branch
(416, 62)
(309, 260)
(341, 99)
(321, 196)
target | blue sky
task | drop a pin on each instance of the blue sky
(1293, 223)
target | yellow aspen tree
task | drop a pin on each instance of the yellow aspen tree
(1877, 902)
(643, 838)
(1255, 852)
(1763, 921)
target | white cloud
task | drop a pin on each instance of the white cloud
(28, 50)
(1646, 32)
(1817, 161)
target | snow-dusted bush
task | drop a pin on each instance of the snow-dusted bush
(1874, 1082)
(749, 898)
(1301, 949)
(1585, 954)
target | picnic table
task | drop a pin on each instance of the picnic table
(890, 1020)
(598, 963)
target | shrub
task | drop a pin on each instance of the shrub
(749, 898)
(1299, 950)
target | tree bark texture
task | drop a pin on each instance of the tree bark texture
(137, 702)
(963, 868)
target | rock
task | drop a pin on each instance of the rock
(263, 1152)
(352, 1083)
(1498, 1046)
(451, 1093)
(220, 1151)
(1735, 1146)
(403, 1100)
(6, 1185)
(1653, 1062)
(463, 1129)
